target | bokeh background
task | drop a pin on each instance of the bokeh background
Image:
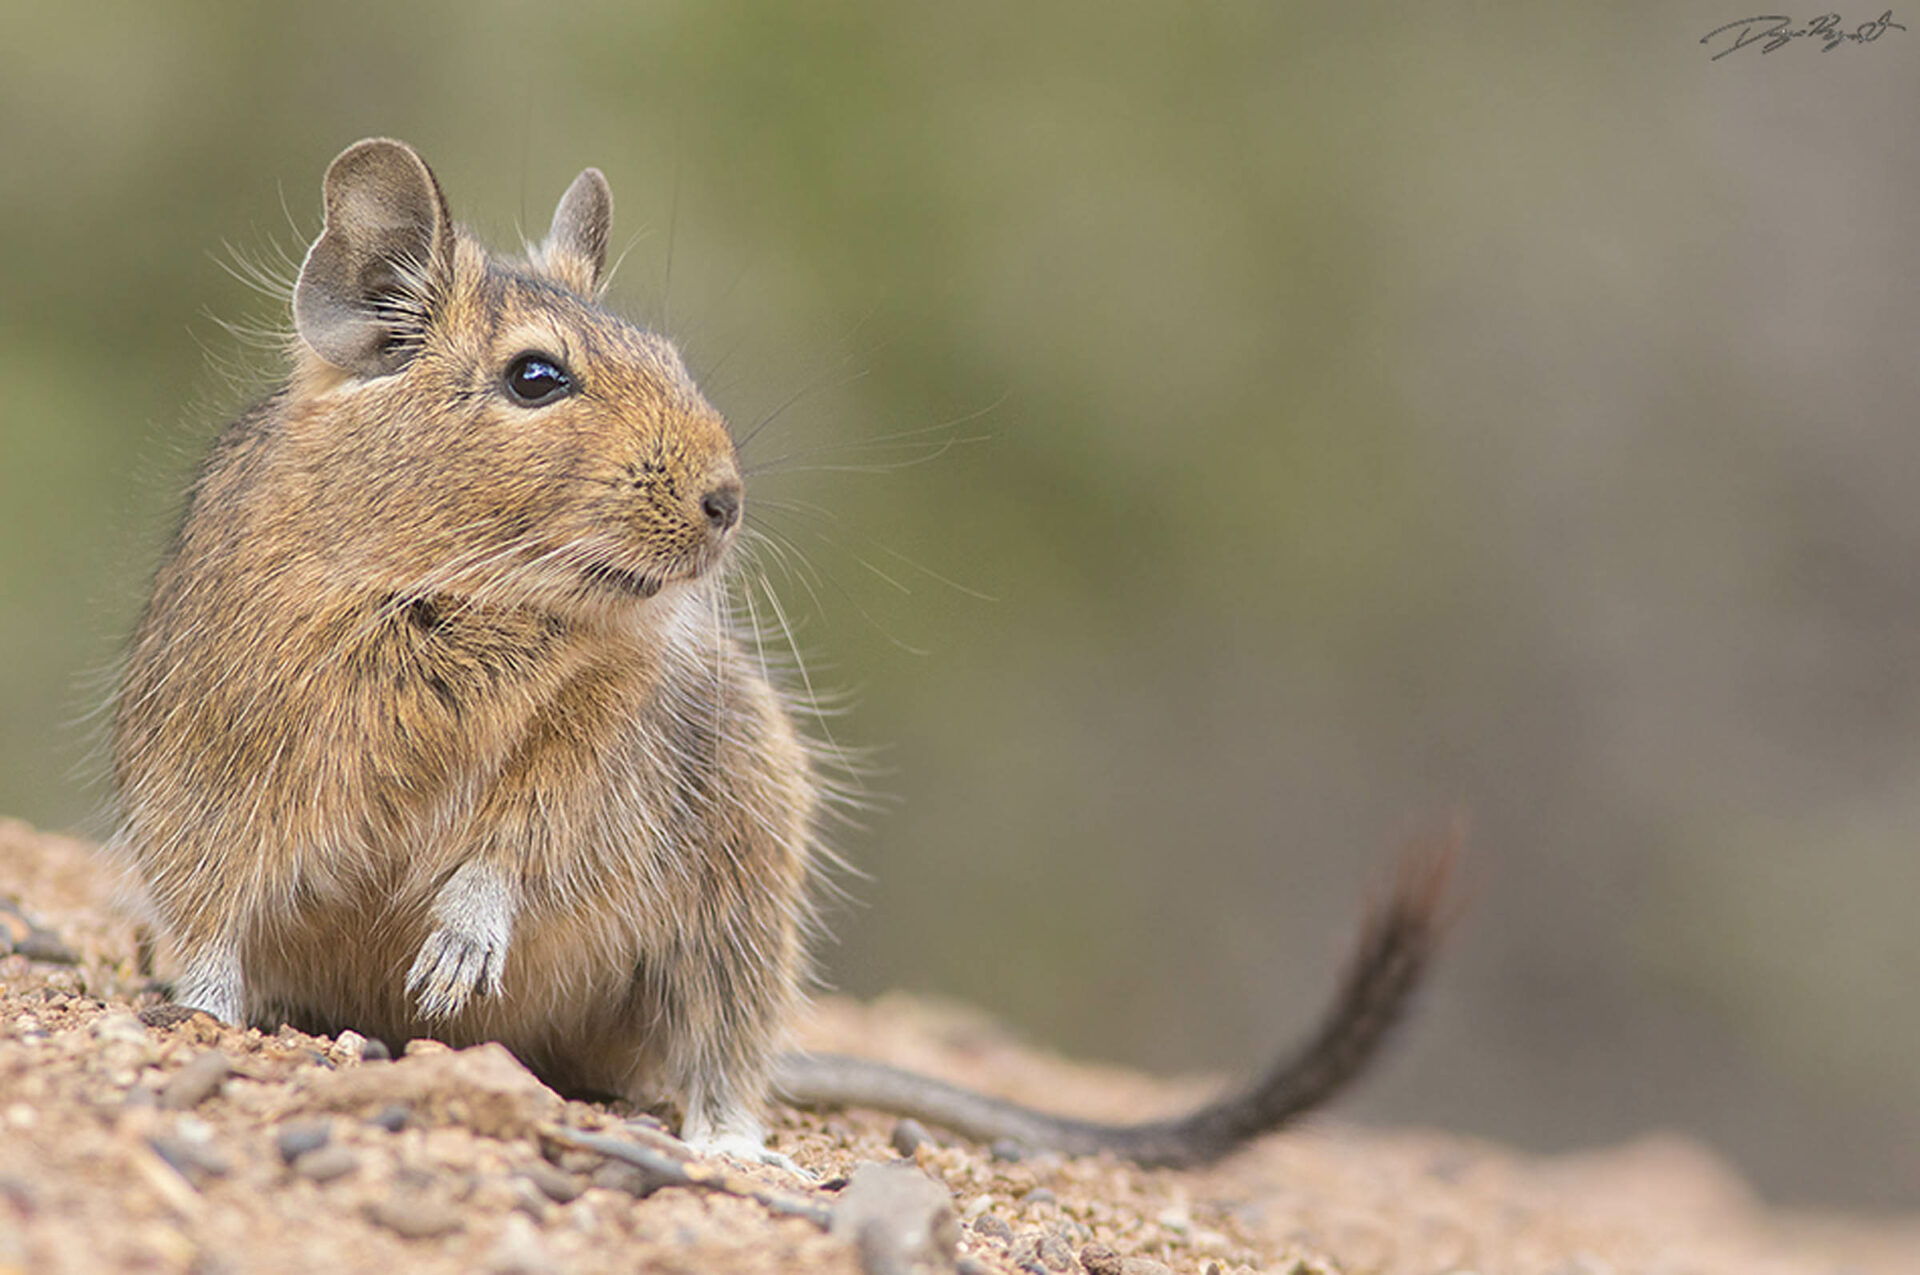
(1211, 442)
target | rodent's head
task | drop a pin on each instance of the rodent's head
(467, 424)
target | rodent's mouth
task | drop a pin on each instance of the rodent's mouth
(626, 581)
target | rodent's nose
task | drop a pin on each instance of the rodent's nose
(722, 506)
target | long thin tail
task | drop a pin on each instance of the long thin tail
(1397, 944)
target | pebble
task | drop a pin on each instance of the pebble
(993, 1227)
(1101, 1260)
(298, 1137)
(193, 1158)
(415, 1217)
(120, 1027)
(618, 1175)
(348, 1047)
(1007, 1151)
(1025, 1255)
(196, 1082)
(908, 1136)
(1055, 1252)
(375, 1051)
(899, 1218)
(393, 1117)
(556, 1184)
(531, 1200)
(1039, 1195)
(324, 1164)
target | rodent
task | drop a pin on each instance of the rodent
(437, 722)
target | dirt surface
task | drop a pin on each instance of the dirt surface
(202, 1147)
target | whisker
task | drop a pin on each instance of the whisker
(804, 391)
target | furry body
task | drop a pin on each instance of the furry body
(436, 725)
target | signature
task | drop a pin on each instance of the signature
(1773, 31)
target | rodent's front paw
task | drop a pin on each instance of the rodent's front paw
(452, 965)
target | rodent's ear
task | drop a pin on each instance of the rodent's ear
(576, 248)
(367, 289)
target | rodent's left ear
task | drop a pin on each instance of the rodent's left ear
(575, 251)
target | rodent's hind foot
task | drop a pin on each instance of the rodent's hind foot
(451, 967)
(740, 1139)
(745, 1149)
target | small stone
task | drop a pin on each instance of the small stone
(18, 934)
(44, 945)
(1039, 1195)
(196, 1082)
(971, 1266)
(376, 1050)
(530, 1200)
(1055, 1253)
(556, 1184)
(900, 1219)
(195, 1159)
(908, 1136)
(618, 1175)
(993, 1227)
(298, 1137)
(393, 1117)
(1101, 1260)
(324, 1164)
(120, 1027)
(348, 1047)
(1025, 1255)
(171, 1015)
(572, 1159)
(415, 1216)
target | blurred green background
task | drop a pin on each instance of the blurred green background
(1333, 418)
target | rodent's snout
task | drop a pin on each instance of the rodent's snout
(721, 505)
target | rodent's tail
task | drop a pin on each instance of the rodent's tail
(1397, 943)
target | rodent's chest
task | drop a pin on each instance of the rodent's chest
(607, 769)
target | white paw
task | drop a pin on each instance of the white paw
(451, 967)
(744, 1148)
(467, 951)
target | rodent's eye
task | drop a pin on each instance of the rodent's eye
(536, 379)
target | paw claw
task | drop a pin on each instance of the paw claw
(451, 967)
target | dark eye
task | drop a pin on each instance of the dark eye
(537, 379)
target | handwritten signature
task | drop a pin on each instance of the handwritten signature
(1772, 32)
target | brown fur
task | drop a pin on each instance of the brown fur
(401, 630)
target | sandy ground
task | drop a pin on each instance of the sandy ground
(200, 1147)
